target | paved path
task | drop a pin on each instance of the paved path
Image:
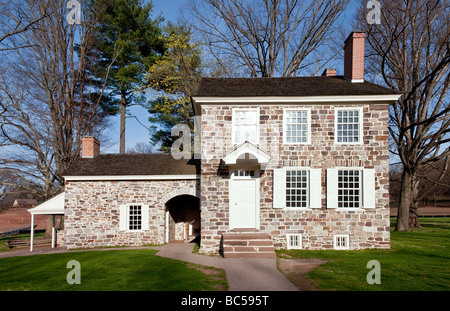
(243, 274)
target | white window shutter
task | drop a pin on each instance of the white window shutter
(315, 188)
(332, 188)
(123, 218)
(145, 217)
(279, 188)
(369, 188)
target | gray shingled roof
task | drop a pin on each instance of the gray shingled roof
(292, 87)
(132, 164)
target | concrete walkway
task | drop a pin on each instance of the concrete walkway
(243, 274)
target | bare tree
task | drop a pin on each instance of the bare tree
(46, 100)
(409, 51)
(14, 21)
(269, 37)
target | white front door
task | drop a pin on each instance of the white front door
(244, 196)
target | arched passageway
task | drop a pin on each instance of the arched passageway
(182, 218)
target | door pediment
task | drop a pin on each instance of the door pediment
(247, 152)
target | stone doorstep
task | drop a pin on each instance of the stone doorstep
(246, 249)
(249, 255)
(248, 245)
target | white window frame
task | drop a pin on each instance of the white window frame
(360, 125)
(125, 217)
(314, 196)
(360, 188)
(308, 126)
(367, 188)
(336, 243)
(233, 126)
(308, 187)
(288, 241)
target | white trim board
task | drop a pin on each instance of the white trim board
(133, 177)
(298, 99)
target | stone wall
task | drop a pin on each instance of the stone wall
(366, 228)
(92, 211)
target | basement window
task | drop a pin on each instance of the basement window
(341, 242)
(294, 241)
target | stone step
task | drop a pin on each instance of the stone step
(248, 245)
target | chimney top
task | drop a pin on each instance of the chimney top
(329, 72)
(90, 147)
(354, 57)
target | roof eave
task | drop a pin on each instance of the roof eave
(384, 98)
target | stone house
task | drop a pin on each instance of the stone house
(297, 162)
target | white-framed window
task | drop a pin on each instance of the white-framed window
(134, 217)
(297, 188)
(245, 125)
(243, 174)
(341, 241)
(350, 188)
(294, 241)
(348, 128)
(296, 126)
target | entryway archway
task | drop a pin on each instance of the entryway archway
(182, 218)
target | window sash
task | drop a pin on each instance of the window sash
(245, 126)
(297, 188)
(134, 217)
(349, 188)
(348, 126)
(296, 126)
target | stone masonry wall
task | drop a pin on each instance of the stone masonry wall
(92, 211)
(367, 228)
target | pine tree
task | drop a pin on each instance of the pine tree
(128, 42)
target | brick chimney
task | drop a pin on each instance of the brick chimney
(90, 147)
(329, 72)
(354, 57)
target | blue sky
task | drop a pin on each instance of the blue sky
(137, 133)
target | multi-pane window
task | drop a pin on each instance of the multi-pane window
(294, 241)
(341, 242)
(244, 173)
(348, 126)
(297, 188)
(349, 188)
(296, 126)
(245, 126)
(134, 217)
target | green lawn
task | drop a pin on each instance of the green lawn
(417, 261)
(113, 270)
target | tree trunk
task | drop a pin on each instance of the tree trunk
(123, 110)
(408, 215)
(405, 202)
(414, 207)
